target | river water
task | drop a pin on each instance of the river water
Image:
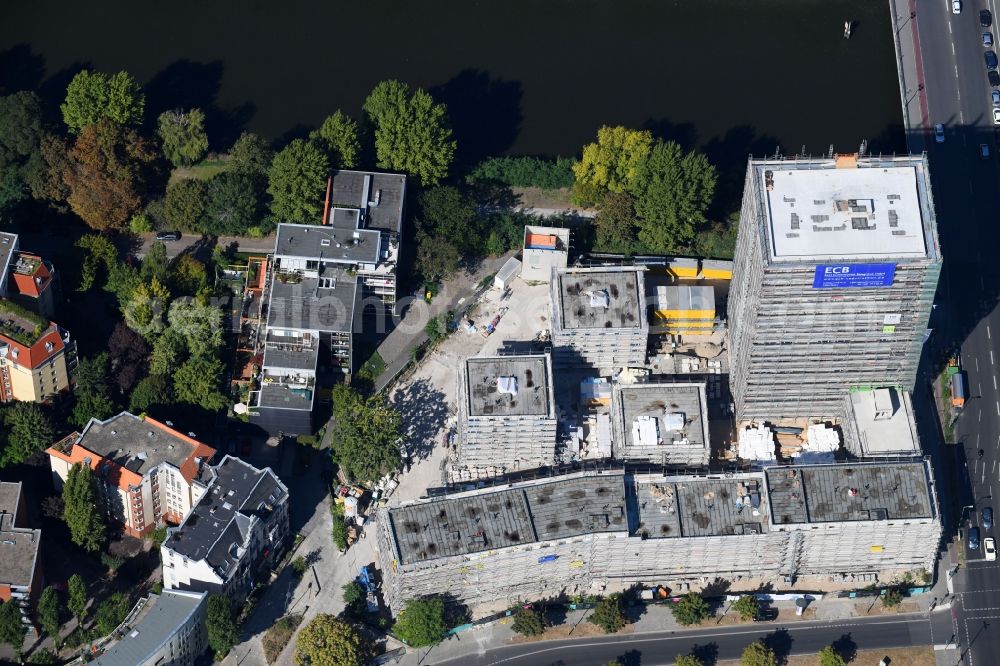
(519, 76)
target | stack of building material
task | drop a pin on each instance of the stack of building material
(822, 439)
(756, 442)
(595, 391)
(684, 310)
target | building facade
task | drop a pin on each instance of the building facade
(237, 529)
(149, 474)
(169, 630)
(837, 262)
(574, 533)
(21, 578)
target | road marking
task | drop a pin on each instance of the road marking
(988, 328)
(949, 27)
(953, 52)
(998, 408)
(994, 382)
(991, 357)
(956, 71)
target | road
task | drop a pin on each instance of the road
(967, 202)
(716, 644)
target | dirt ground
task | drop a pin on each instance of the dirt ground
(534, 197)
(914, 656)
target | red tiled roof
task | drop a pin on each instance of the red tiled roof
(116, 474)
(188, 468)
(33, 356)
(34, 284)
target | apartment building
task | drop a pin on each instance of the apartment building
(149, 474)
(837, 262)
(169, 630)
(21, 577)
(664, 423)
(237, 529)
(33, 284)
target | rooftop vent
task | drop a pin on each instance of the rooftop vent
(507, 385)
(599, 298)
(325, 242)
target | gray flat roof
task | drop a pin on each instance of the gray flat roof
(279, 396)
(818, 211)
(583, 291)
(487, 520)
(327, 243)
(156, 623)
(224, 509)
(670, 508)
(851, 492)
(894, 431)
(10, 494)
(657, 401)
(134, 443)
(305, 305)
(7, 244)
(388, 188)
(18, 545)
(305, 358)
(533, 386)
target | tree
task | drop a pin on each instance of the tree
(828, 656)
(609, 614)
(339, 532)
(45, 172)
(688, 660)
(338, 137)
(183, 136)
(93, 394)
(83, 509)
(412, 132)
(614, 162)
(747, 606)
(20, 134)
(12, 631)
(366, 434)
(129, 353)
(151, 393)
(155, 263)
(95, 96)
(437, 258)
(251, 155)
(43, 656)
(445, 212)
(329, 641)
(528, 621)
(672, 195)
(185, 204)
(29, 431)
(196, 382)
(691, 609)
(232, 205)
(77, 602)
(297, 183)
(504, 231)
(422, 622)
(110, 167)
(222, 630)
(614, 225)
(168, 352)
(198, 324)
(144, 311)
(354, 594)
(112, 612)
(892, 597)
(189, 276)
(758, 654)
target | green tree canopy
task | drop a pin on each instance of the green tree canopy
(29, 431)
(12, 630)
(338, 137)
(197, 381)
(145, 310)
(297, 183)
(528, 622)
(366, 437)
(830, 657)
(446, 213)
(151, 394)
(422, 622)
(691, 609)
(412, 132)
(614, 226)
(48, 613)
(747, 606)
(93, 390)
(155, 263)
(329, 641)
(45, 172)
(437, 258)
(688, 660)
(183, 136)
(672, 194)
(112, 612)
(83, 510)
(185, 203)
(190, 276)
(233, 204)
(609, 614)
(251, 155)
(223, 633)
(613, 163)
(20, 136)
(169, 351)
(758, 654)
(77, 601)
(199, 325)
(95, 96)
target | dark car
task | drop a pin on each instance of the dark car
(985, 18)
(991, 59)
(988, 518)
(766, 614)
(168, 235)
(974, 538)
(994, 78)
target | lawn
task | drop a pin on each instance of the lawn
(202, 170)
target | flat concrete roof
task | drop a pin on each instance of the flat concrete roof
(490, 519)
(7, 244)
(327, 243)
(657, 401)
(316, 304)
(533, 387)
(10, 495)
(817, 211)
(305, 358)
(135, 444)
(18, 544)
(388, 189)
(156, 623)
(594, 298)
(668, 507)
(849, 492)
(894, 431)
(280, 396)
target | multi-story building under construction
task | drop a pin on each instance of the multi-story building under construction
(837, 262)
(579, 532)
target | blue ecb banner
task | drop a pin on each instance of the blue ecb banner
(853, 276)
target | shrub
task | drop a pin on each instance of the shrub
(609, 615)
(112, 562)
(140, 224)
(299, 565)
(892, 597)
(529, 622)
(747, 607)
(339, 532)
(278, 635)
(525, 172)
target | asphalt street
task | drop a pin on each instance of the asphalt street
(712, 644)
(968, 207)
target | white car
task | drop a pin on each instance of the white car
(956, 6)
(989, 549)
(939, 133)
(996, 116)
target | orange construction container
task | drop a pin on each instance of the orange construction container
(541, 241)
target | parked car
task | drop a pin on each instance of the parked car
(939, 133)
(995, 97)
(994, 78)
(996, 116)
(988, 39)
(984, 151)
(956, 6)
(990, 549)
(985, 18)
(991, 59)
(168, 235)
(973, 538)
(766, 614)
(988, 518)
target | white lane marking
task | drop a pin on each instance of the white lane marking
(956, 71)
(998, 408)
(988, 330)
(991, 357)
(949, 27)
(994, 382)
(953, 48)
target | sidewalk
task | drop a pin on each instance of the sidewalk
(910, 67)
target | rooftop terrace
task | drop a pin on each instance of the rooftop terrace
(317, 304)
(21, 325)
(509, 386)
(595, 298)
